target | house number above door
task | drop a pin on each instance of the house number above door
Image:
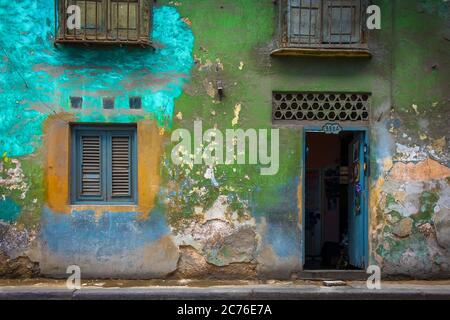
(331, 128)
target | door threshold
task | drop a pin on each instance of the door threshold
(333, 275)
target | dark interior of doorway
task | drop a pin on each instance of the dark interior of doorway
(327, 200)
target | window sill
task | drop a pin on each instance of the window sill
(141, 42)
(103, 208)
(322, 52)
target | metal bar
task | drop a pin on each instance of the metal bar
(300, 7)
(107, 15)
(138, 34)
(289, 31)
(117, 20)
(64, 14)
(362, 24)
(353, 22)
(128, 19)
(56, 18)
(310, 18)
(341, 7)
(85, 18)
(329, 23)
(280, 37)
(96, 20)
(300, 21)
(75, 29)
(150, 25)
(321, 6)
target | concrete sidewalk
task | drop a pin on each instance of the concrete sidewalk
(238, 290)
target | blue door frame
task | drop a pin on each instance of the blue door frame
(363, 238)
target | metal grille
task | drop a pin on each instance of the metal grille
(104, 21)
(323, 23)
(313, 106)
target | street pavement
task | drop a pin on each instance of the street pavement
(217, 290)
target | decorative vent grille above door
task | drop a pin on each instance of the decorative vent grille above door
(320, 107)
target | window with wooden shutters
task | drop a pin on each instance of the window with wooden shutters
(104, 21)
(103, 164)
(304, 21)
(335, 27)
(342, 22)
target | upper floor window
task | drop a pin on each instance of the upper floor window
(322, 27)
(103, 21)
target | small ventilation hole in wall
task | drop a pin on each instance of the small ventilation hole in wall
(135, 102)
(108, 103)
(76, 102)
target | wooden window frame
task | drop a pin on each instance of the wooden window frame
(105, 132)
(316, 43)
(104, 32)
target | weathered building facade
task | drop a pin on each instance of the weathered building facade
(241, 64)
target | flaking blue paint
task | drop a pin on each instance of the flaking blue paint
(281, 219)
(283, 236)
(82, 234)
(9, 210)
(38, 78)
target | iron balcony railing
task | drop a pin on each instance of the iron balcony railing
(104, 21)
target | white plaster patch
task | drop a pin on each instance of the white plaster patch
(444, 197)
(409, 203)
(407, 154)
(218, 221)
(15, 179)
(218, 209)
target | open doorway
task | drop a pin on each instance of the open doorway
(335, 210)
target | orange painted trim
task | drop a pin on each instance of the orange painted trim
(149, 155)
(57, 168)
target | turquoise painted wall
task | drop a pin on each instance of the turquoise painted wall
(38, 78)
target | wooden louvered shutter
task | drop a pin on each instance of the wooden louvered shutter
(103, 165)
(342, 21)
(91, 166)
(121, 166)
(304, 21)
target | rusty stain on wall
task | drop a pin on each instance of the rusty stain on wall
(428, 169)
